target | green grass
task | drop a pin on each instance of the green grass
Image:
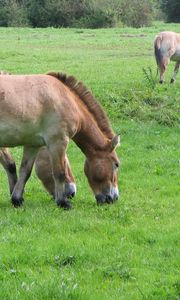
(129, 250)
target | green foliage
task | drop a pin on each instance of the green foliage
(45, 13)
(55, 13)
(76, 13)
(13, 13)
(171, 8)
(3, 13)
(137, 13)
(149, 77)
(96, 19)
(37, 13)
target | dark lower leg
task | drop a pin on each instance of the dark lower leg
(29, 156)
(9, 166)
(57, 155)
(162, 71)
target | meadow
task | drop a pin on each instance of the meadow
(128, 250)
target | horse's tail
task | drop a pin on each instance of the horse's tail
(157, 50)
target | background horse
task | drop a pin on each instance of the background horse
(166, 48)
(48, 110)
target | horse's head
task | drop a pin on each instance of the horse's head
(101, 171)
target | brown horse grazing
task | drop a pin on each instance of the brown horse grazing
(166, 48)
(42, 167)
(48, 110)
(43, 171)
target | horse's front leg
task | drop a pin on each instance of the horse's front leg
(9, 165)
(176, 69)
(28, 159)
(57, 155)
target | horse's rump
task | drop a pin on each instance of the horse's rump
(30, 105)
(166, 48)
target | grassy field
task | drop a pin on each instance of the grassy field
(128, 250)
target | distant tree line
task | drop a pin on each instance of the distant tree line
(171, 8)
(86, 13)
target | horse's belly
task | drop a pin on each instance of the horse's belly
(176, 55)
(12, 135)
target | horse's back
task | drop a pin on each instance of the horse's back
(28, 96)
(34, 105)
(167, 44)
(167, 39)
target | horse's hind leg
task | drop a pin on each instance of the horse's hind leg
(28, 159)
(162, 68)
(43, 170)
(176, 69)
(10, 167)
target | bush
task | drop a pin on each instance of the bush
(56, 13)
(3, 16)
(172, 10)
(137, 13)
(17, 15)
(96, 19)
(76, 13)
(12, 13)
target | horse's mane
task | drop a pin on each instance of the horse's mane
(87, 98)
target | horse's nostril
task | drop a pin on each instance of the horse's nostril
(70, 190)
(115, 197)
(70, 195)
(109, 199)
(100, 199)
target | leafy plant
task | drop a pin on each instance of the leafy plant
(149, 77)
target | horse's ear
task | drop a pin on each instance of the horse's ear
(115, 142)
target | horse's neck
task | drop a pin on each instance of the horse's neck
(90, 138)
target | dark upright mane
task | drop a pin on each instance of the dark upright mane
(86, 96)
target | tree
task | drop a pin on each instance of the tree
(13, 13)
(136, 13)
(171, 8)
(77, 13)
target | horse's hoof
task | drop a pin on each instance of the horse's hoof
(65, 204)
(17, 201)
(161, 81)
(172, 80)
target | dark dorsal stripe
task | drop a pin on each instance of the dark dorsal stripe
(90, 102)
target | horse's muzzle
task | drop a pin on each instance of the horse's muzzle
(70, 189)
(111, 196)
